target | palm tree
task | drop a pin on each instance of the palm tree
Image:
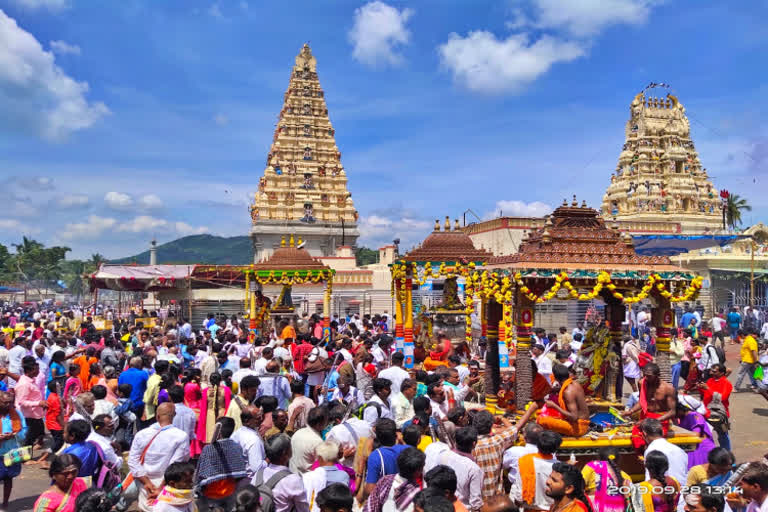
(733, 210)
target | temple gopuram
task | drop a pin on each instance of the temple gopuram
(659, 175)
(304, 187)
(660, 187)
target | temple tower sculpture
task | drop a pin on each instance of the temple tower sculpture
(659, 176)
(304, 187)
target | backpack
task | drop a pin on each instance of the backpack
(361, 410)
(266, 497)
(108, 476)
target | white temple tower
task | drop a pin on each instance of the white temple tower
(304, 187)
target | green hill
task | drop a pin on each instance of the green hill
(215, 250)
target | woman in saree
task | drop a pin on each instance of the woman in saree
(61, 496)
(193, 398)
(603, 475)
(644, 499)
(217, 398)
(716, 471)
(696, 423)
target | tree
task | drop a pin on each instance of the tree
(733, 210)
(36, 266)
(366, 256)
(5, 258)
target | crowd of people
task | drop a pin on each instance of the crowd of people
(180, 418)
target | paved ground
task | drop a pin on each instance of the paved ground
(749, 437)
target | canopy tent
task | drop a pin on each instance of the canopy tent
(141, 278)
(672, 245)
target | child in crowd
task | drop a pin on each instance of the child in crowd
(177, 495)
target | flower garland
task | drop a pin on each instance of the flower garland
(281, 277)
(604, 281)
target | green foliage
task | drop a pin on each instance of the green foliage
(733, 210)
(35, 265)
(366, 256)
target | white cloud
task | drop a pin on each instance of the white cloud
(150, 202)
(118, 200)
(142, 224)
(483, 63)
(93, 228)
(377, 31)
(583, 18)
(54, 5)
(545, 32)
(36, 93)
(146, 223)
(36, 183)
(73, 201)
(221, 119)
(17, 227)
(518, 209)
(184, 229)
(215, 11)
(378, 230)
(64, 48)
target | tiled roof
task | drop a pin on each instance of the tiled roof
(577, 237)
(447, 245)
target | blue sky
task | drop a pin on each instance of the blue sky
(129, 119)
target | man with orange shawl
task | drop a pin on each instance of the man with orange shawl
(439, 357)
(570, 415)
(657, 400)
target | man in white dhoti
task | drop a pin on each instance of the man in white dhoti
(153, 450)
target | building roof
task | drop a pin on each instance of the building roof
(448, 245)
(290, 257)
(576, 237)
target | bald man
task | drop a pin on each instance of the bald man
(153, 450)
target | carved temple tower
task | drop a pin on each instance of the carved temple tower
(304, 187)
(659, 176)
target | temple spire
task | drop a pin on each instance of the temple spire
(659, 176)
(304, 184)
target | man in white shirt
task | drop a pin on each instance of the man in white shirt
(718, 329)
(402, 402)
(15, 355)
(395, 373)
(346, 345)
(160, 445)
(245, 370)
(102, 430)
(185, 419)
(469, 476)
(249, 439)
(543, 363)
(512, 455)
(379, 406)
(347, 432)
(306, 439)
(579, 329)
(654, 438)
(287, 487)
(260, 365)
(437, 401)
